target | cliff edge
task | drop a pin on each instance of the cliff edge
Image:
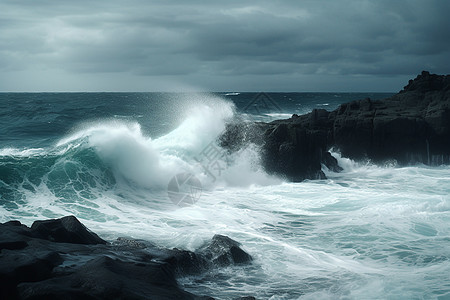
(410, 127)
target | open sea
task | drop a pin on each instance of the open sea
(147, 166)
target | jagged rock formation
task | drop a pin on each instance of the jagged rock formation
(412, 126)
(62, 259)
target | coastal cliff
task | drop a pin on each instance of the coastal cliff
(410, 127)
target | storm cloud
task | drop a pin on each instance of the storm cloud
(345, 45)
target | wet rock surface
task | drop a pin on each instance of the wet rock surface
(410, 127)
(62, 259)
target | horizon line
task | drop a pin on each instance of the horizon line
(174, 92)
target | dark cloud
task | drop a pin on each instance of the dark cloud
(252, 45)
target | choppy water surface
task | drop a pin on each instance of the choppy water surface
(369, 232)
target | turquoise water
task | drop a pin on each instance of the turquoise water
(370, 232)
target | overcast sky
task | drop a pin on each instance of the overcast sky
(183, 45)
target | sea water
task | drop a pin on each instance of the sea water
(369, 232)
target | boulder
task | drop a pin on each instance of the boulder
(224, 251)
(221, 251)
(107, 278)
(62, 259)
(65, 230)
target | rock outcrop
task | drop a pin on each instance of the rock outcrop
(410, 127)
(62, 259)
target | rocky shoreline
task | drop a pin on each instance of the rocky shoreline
(62, 259)
(410, 127)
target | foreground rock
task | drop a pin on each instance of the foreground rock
(62, 259)
(410, 127)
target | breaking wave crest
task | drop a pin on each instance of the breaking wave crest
(111, 158)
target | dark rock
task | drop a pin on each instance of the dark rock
(16, 267)
(14, 245)
(426, 82)
(65, 230)
(13, 223)
(293, 148)
(412, 126)
(186, 262)
(331, 162)
(239, 135)
(13, 236)
(61, 259)
(26, 266)
(223, 251)
(107, 278)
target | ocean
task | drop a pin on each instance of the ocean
(148, 166)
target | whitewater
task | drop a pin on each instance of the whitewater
(368, 232)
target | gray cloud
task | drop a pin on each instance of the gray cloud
(253, 45)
